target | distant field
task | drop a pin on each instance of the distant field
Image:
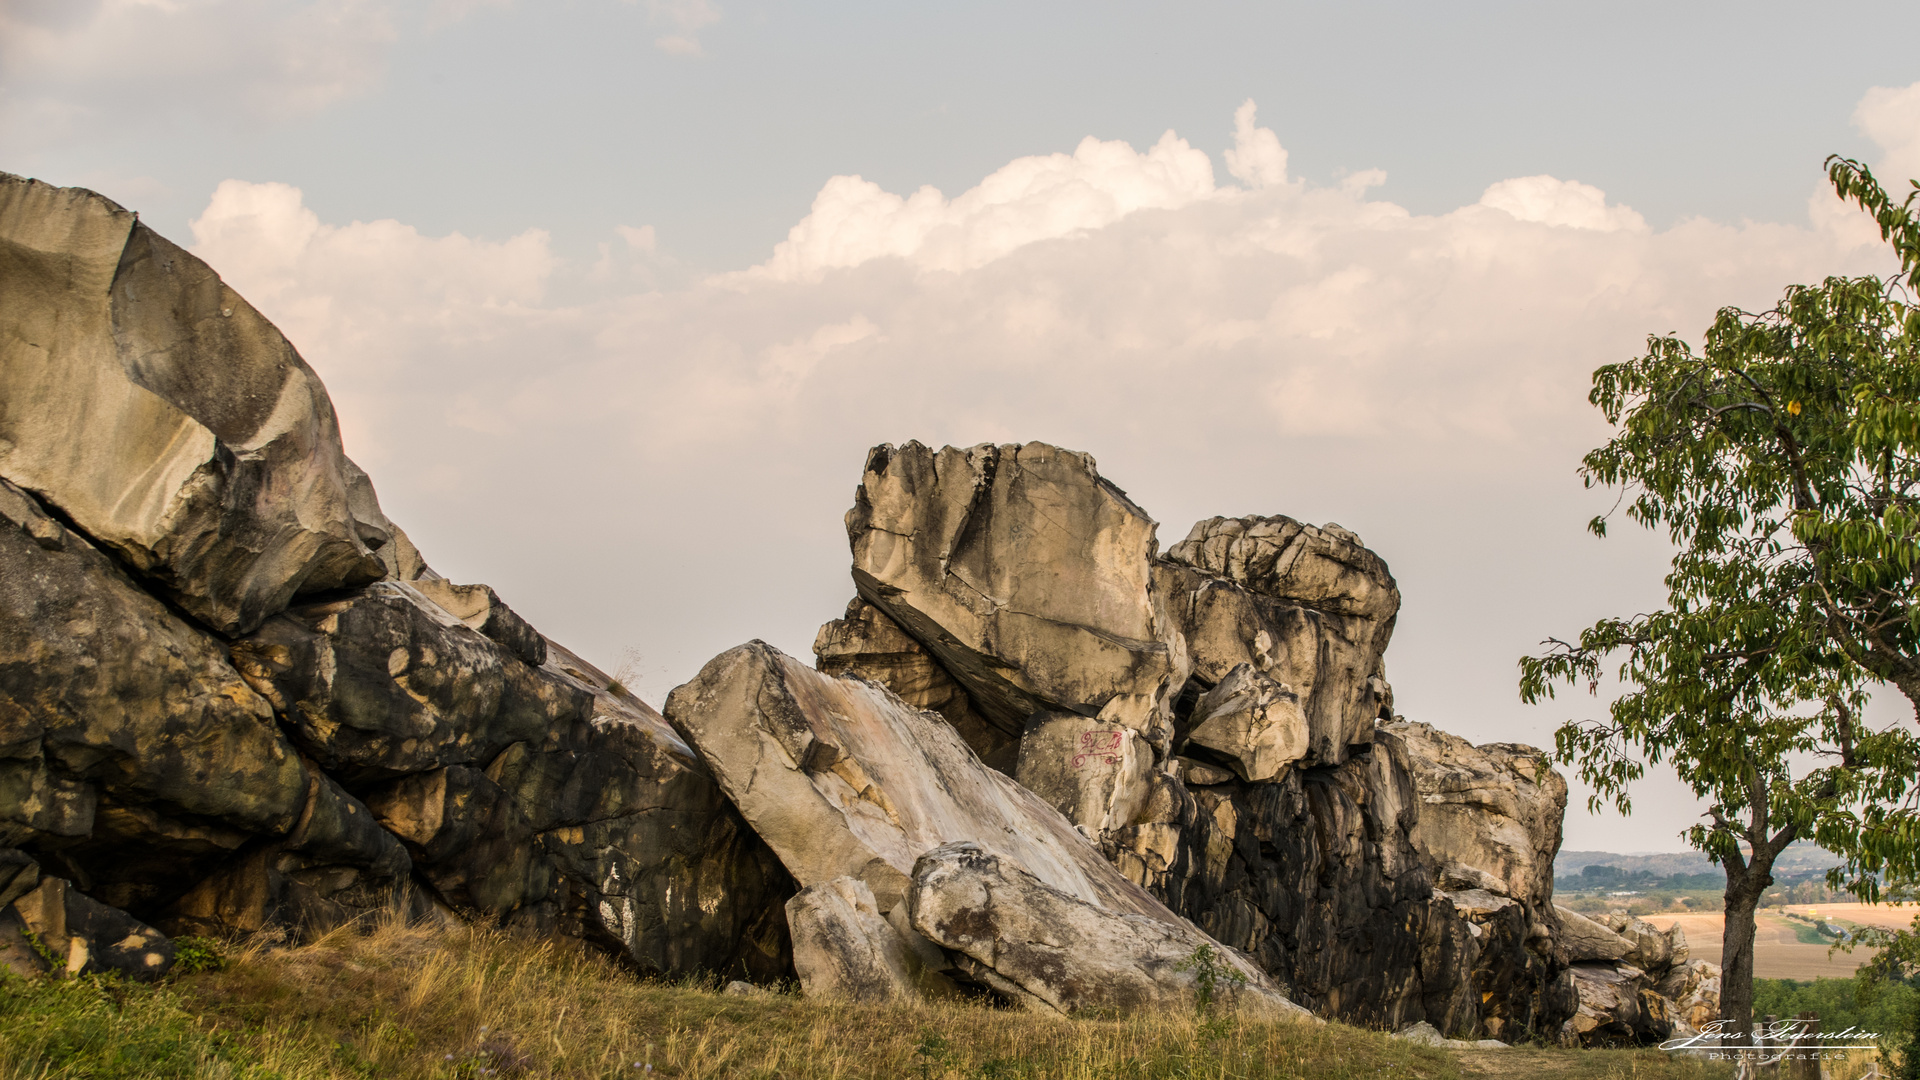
(1777, 950)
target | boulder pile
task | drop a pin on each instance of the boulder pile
(1037, 760)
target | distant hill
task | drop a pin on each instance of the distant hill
(1803, 857)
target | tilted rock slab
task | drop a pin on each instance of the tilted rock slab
(166, 417)
(1581, 938)
(1061, 952)
(843, 779)
(849, 784)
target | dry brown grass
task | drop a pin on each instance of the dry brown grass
(466, 1004)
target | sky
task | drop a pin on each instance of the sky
(612, 295)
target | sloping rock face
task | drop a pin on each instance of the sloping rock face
(1027, 933)
(233, 696)
(1209, 717)
(854, 788)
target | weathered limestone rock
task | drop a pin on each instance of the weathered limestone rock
(1653, 950)
(131, 753)
(1314, 877)
(1488, 829)
(865, 642)
(1253, 721)
(73, 934)
(480, 608)
(1584, 939)
(1493, 809)
(1277, 830)
(844, 948)
(1694, 989)
(164, 416)
(1307, 606)
(1023, 572)
(1616, 1008)
(843, 779)
(384, 683)
(539, 796)
(1093, 769)
(1067, 954)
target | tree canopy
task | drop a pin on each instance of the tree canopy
(1782, 459)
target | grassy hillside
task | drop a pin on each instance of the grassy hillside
(473, 1005)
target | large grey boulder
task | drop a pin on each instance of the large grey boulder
(844, 948)
(165, 417)
(1023, 572)
(215, 715)
(851, 787)
(1058, 951)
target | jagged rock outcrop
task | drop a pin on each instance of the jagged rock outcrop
(234, 697)
(1693, 987)
(1308, 606)
(853, 788)
(1208, 716)
(1633, 980)
(1488, 830)
(1617, 1008)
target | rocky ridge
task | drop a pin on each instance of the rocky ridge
(1039, 760)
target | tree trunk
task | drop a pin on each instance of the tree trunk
(1744, 889)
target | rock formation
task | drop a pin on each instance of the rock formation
(1040, 759)
(868, 801)
(1208, 716)
(234, 697)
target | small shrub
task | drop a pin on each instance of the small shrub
(193, 955)
(1210, 970)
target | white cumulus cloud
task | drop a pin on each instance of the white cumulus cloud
(1026, 201)
(1548, 201)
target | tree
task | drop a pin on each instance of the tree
(1783, 460)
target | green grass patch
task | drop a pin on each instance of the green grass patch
(463, 1004)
